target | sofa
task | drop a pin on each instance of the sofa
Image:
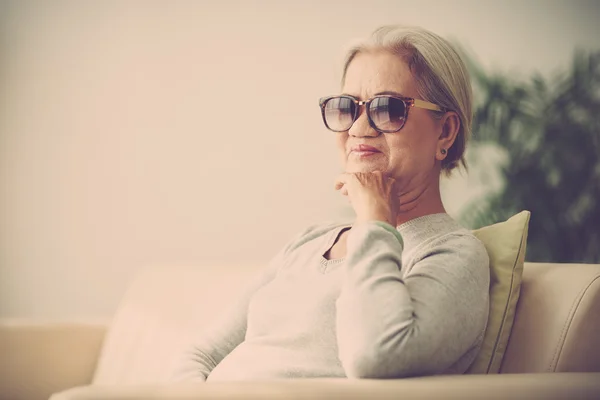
(553, 351)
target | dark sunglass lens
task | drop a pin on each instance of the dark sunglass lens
(339, 113)
(387, 113)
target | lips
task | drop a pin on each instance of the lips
(364, 148)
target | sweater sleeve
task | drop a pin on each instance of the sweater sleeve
(390, 326)
(213, 344)
(222, 335)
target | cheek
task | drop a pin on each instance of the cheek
(421, 135)
(400, 147)
(410, 151)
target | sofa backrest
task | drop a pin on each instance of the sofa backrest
(557, 322)
(557, 325)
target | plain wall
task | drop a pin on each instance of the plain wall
(150, 133)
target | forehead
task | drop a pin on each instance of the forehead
(374, 72)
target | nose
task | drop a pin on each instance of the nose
(361, 127)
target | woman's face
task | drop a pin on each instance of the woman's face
(408, 155)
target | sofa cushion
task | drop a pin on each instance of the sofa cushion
(505, 243)
(514, 387)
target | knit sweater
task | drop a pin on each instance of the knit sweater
(405, 301)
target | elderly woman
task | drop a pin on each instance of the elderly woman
(404, 289)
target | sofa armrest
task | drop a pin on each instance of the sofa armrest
(515, 387)
(38, 359)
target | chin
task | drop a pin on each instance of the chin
(364, 167)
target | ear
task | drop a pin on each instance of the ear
(450, 125)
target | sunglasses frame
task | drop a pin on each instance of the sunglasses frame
(408, 103)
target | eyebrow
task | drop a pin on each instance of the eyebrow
(388, 92)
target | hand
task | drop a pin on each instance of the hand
(372, 195)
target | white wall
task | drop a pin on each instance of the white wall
(118, 150)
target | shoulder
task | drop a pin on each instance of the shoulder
(459, 250)
(459, 262)
(461, 242)
(470, 249)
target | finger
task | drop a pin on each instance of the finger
(340, 181)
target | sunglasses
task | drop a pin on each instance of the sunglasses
(386, 113)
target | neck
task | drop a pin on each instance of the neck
(420, 201)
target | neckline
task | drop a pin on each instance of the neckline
(329, 244)
(428, 217)
(422, 228)
(411, 231)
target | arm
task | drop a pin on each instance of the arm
(225, 333)
(228, 331)
(388, 326)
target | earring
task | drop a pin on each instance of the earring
(443, 151)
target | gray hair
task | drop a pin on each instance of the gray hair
(440, 73)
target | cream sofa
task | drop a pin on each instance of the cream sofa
(553, 351)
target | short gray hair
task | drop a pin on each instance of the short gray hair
(439, 71)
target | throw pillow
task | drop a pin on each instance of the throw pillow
(505, 243)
